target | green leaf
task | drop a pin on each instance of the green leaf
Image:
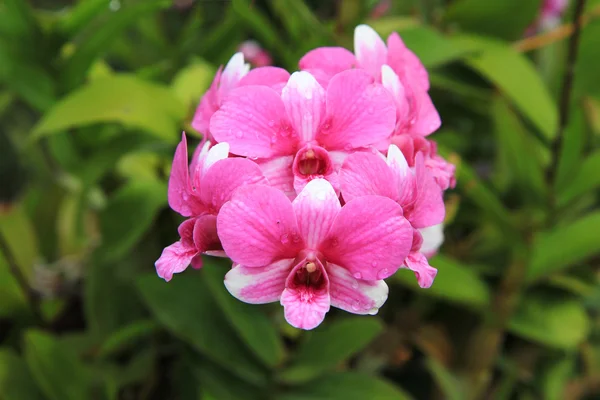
(186, 308)
(556, 375)
(11, 295)
(100, 35)
(449, 385)
(521, 151)
(564, 246)
(386, 25)
(191, 82)
(252, 325)
(583, 181)
(433, 48)
(330, 344)
(454, 282)
(505, 19)
(123, 99)
(516, 78)
(586, 71)
(551, 320)
(346, 386)
(16, 382)
(128, 215)
(126, 336)
(58, 372)
(18, 232)
(221, 385)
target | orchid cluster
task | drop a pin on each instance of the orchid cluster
(317, 185)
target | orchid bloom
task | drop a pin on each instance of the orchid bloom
(433, 237)
(312, 253)
(236, 73)
(255, 54)
(365, 174)
(305, 132)
(394, 65)
(199, 192)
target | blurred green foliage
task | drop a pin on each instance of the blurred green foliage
(94, 95)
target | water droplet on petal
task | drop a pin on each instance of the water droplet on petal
(273, 139)
(383, 273)
(357, 275)
(271, 123)
(239, 134)
(348, 147)
(373, 311)
(285, 239)
(334, 242)
(355, 285)
(374, 263)
(389, 229)
(356, 305)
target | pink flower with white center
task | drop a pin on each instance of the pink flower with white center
(236, 73)
(398, 68)
(365, 174)
(199, 193)
(442, 170)
(255, 54)
(312, 253)
(305, 132)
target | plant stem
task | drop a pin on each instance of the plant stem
(564, 105)
(30, 295)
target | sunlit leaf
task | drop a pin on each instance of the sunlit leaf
(564, 246)
(584, 180)
(123, 99)
(505, 19)
(191, 82)
(329, 345)
(454, 282)
(516, 78)
(551, 320)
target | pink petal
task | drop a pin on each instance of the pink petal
(325, 62)
(428, 208)
(273, 77)
(316, 208)
(205, 234)
(433, 237)
(367, 174)
(279, 174)
(224, 177)
(234, 71)
(198, 160)
(405, 62)
(180, 195)
(371, 52)
(403, 177)
(352, 295)
(304, 101)
(206, 159)
(258, 285)
(304, 305)
(423, 271)
(207, 107)
(258, 226)
(392, 83)
(174, 259)
(427, 120)
(359, 112)
(369, 237)
(254, 123)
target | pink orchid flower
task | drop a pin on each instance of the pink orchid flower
(394, 65)
(236, 73)
(199, 192)
(416, 191)
(255, 54)
(305, 132)
(312, 253)
(442, 171)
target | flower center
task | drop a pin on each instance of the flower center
(312, 161)
(309, 275)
